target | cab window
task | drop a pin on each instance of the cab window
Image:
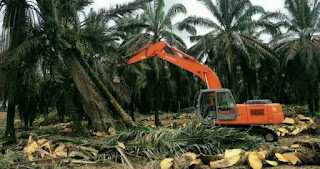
(225, 99)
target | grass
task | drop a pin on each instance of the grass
(52, 114)
(44, 131)
(11, 157)
(2, 122)
(2, 130)
(83, 141)
(186, 110)
(40, 131)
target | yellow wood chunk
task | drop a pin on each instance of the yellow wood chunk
(233, 152)
(31, 148)
(295, 146)
(61, 151)
(288, 120)
(296, 131)
(254, 161)
(166, 163)
(281, 158)
(193, 156)
(292, 158)
(226, 162)
(272, 163)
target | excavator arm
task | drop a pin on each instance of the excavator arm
(186, 62)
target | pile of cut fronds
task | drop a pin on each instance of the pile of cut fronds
(196, 137)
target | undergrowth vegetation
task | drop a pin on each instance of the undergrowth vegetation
(12, 157)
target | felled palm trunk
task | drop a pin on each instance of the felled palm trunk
(93, 104)
(106, 93)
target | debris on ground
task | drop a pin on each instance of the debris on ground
(39, 149)
(293, 126)
(255, 159)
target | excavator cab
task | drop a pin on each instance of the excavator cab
(216, 104)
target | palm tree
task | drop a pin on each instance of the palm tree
(59, 41)
(155, 82)
(158, 26)
(232, 50)
(107, 15)
(19, 16)
(298, 50)
(77, 43)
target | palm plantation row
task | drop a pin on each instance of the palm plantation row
(53, 60)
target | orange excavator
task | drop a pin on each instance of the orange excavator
(215, 102)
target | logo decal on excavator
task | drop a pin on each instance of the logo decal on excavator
(169, 58)
(274, 109)
(143, 57)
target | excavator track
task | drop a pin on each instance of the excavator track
(259, 130)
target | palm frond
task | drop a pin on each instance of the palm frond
(119, 11)
(214, 10)
(175, 10)
(174, 40)
(198, 21)
(193, 138)
(187, 27)
(158, 7)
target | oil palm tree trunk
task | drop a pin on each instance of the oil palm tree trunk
(158, 103)
(10, 134)
(316, 98)
(105, 92)
(93, 104)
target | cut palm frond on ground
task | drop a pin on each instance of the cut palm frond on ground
(196, 137)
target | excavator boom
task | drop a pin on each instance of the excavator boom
(186, 62)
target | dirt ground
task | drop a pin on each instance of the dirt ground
(3, 122)
(3, 116)
(167, 120)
